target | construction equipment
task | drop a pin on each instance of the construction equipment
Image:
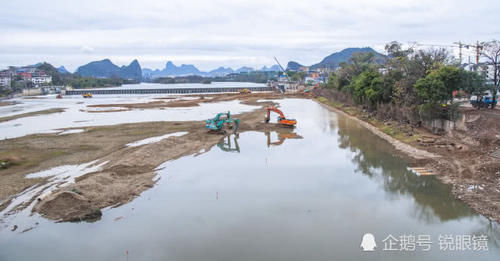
(483, 100)
(310, 88)
(87, 95)
(221, 122)
(281, 118)
(245, 91)
(226, 145)
(282, 88)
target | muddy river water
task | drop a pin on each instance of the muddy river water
(254, 198)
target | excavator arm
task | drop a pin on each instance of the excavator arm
(219, 122)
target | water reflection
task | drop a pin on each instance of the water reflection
(282, 136)
(433, 197)
(492, 229)
(225, 143)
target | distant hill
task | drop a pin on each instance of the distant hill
(184, 69)
(58, 77)
(221, 71)
(106, 69)
(293, 66)
(244, 69)
(273, 68)
(62, 69)
(171, 70)
(132, 71)
(333, 60)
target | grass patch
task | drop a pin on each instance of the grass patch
(29, 159)
(395, 131)
(5, 164)
(392, 129)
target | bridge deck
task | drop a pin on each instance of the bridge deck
(169, 90)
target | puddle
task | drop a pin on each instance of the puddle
(156, 139)
(105, 109)
(71, 131)
(76, 116)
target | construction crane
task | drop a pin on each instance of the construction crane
(284, 71)
(458, 45)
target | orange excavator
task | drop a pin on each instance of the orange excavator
(281, 118)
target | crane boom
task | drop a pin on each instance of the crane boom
(286, 74)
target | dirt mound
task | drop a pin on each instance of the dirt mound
(68, 206)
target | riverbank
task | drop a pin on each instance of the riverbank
(462, 158)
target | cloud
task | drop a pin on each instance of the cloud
(229, 33)
(87, 49)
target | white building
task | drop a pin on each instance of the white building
(485, 69)
(489, 70)
(41, 79)
(5, 81)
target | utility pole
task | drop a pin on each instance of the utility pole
(478, 52)
(460, 44)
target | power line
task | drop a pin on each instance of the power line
(461, 48)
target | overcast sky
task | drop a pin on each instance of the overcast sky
(232, 33)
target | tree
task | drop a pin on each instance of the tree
(404, 68)
(473, 82)
(368, 88)
(432, 89)
(491, 51)
(438, 85)
(395, 49)
(298, 76)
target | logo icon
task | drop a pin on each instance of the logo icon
(368, 242)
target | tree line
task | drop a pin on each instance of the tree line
(412, 85)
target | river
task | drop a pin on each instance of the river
(305, 199)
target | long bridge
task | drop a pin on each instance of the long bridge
(170, 90)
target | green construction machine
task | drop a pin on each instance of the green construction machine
(221, 122)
